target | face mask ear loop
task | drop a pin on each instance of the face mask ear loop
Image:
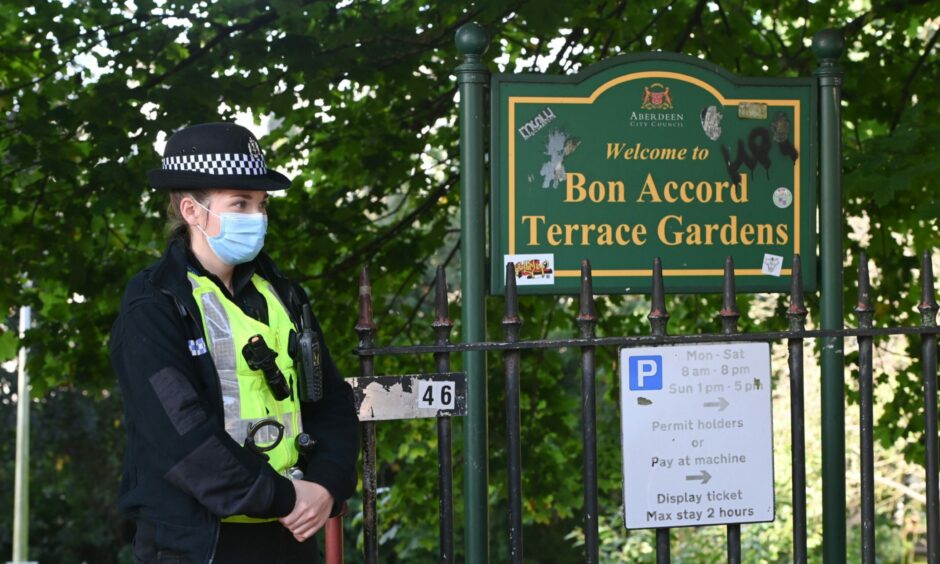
(208, 211)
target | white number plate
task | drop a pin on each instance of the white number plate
(436, 395)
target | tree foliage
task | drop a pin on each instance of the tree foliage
(360, 100)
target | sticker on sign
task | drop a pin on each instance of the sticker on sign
(697, 435)
(532, 270)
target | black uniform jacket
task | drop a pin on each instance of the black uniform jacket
(182, 471)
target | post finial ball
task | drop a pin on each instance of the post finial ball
(471, 39)
(829, 43)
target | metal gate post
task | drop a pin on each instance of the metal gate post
(729, 316)
(828, 45)
(659, 318)
(587, 322)
(796, 313)
(472, 77)
(445, 466)
(865, 312)
(366, 330)
(928, 311)
(512, 323)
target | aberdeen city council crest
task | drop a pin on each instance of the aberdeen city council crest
(656, 97)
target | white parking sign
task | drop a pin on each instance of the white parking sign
(697, 437)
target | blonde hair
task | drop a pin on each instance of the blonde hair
(178, 227)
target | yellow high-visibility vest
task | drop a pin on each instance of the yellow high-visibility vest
(246, 398)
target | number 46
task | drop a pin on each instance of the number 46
(436, 395)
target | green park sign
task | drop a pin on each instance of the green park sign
(652, 156)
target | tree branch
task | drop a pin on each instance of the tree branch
(369, 250)
(538, 52)
(246, 28)
(690, 25)
(727, 24)
(405, 197)
(446, 34)
(906, 490)
(642, 34)
(704, 38)
(37, 80)
(605, 48)
(407, 326)
(554, 66)
(783, 46)
(880, 10)
(906, 91)
(39, 198)
(577, 59)
(67, 61)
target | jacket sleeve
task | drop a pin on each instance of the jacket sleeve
(168, 408)
(334, 423)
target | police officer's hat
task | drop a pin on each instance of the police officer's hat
(215, 155)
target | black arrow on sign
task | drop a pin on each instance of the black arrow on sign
(721, 404)
(704, 477)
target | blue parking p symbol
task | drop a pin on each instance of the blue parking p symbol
(646, 372)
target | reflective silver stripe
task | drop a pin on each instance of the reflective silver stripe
(270, 289)
(222, 349)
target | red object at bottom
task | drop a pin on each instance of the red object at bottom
(334, 538)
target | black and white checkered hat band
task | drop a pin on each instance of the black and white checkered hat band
(240, 164)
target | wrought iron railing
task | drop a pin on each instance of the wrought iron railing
(513, 348)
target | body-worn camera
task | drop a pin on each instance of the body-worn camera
(259, 356)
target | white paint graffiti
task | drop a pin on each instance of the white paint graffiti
(557, 148)
(535, 124)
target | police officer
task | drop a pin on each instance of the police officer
(217, 468)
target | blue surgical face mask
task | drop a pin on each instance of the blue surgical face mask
(240, 238)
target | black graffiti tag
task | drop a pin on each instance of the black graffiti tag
(757, 151)
(787, 148)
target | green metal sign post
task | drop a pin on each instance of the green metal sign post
(828, 46)
(472, 77)
(646, 156)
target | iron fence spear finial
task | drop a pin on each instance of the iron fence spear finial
(365, 327)
(928, 301)
(587, 316)
(864, 308)
(729, 307)
(658, 316)
(796, 312)
(511, 319)
(442, 323)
